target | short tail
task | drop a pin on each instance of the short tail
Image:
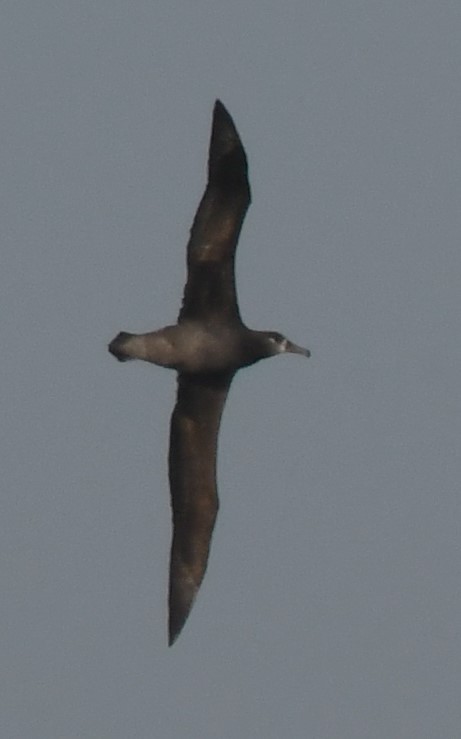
(117, 346)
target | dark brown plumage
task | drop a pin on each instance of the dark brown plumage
(210, 288)
(207, 346)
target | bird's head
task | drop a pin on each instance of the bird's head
(276, 343)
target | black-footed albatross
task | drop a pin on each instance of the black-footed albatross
(207, 346)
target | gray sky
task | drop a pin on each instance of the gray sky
(331, 607)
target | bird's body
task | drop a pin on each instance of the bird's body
(207, 346)
(194, 348)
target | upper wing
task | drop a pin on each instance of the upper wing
(192, 470)
(210, 287)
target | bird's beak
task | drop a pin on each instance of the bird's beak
(295, 349)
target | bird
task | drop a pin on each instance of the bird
(207, 346)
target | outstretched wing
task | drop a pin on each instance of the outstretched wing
(210, 287)
(194, 500)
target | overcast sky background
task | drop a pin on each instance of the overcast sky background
(332, 603)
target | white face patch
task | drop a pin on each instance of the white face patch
(280, 343)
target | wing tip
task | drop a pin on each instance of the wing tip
(224, 128)
(172, 637)
(183, 592)
(227, 161)
(220, 109)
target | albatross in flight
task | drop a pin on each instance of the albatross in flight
(206, 347)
